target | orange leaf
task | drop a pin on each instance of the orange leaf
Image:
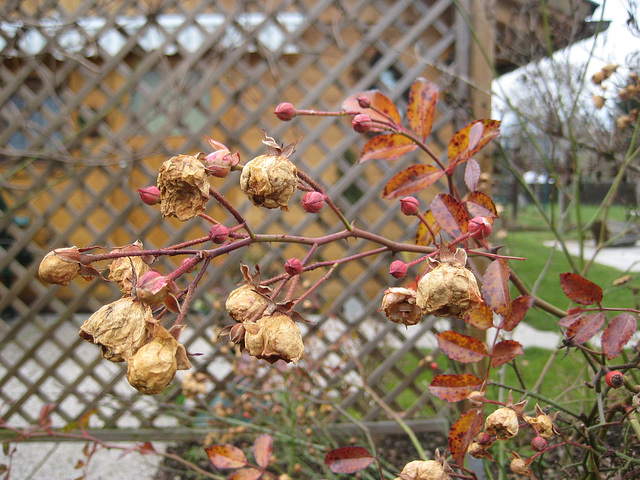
(411, 180)
(454, 388)
(579, 289)
(226, 456)
(423, 98)
(519, 307)
(461, 348)
(246, 474)
(495, 287)
(450, 214)
(379, 101)
(585, 327)
(480, 317)
(386, 147)
(462, 432)
(262, 449)
(504, 352)
(480, 204)
(619, 331)
(348, 459)
(471, 139)
(423, 235)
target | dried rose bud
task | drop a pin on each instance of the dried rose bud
(313, 202)
(398, 269)
(479, 228)
(364, 102)
(478, 450)
(539, 444)
(598, 101)
(244, 303)
(121, 269)
(477, 398)
(362, 123)
(269, 181)
(520, 466)
(152, 288)
(150, 195)
(542, 423)
(503, 423)
(219, 233)
(293, 266)
(449, 289)
(409, 205)
(184, 187)
(424, 470)
(275, 337)
(120, 328)
(60, 266)
(194, 383)
(285, 112)
(399, 306)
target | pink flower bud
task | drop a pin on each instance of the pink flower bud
(539, 444)
(313, 202)
(364, 102)
(293, 266)
(219, 163)
(479, 227)
(398, 269)
(219, 233)
(152, 288)
(409, 205)
(285, 112)
(150, 195)
(362, 123)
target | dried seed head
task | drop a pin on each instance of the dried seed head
(503, 423)
(598, 101)
(478, 450)
(542, 423)
(244, 304)
(194, 383)
(60, 266)
(275, 337)
(184, 187)
(121, 269)
(269, 181)
(120, 328)
(399, 306)
(520, 466)
(424, 470)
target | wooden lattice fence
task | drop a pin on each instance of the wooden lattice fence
(96, 94)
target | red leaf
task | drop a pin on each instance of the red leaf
(43, 419)
(579, 289)
(461, 348)
(423, 235)
(504, 352)
(423, 98)
(569, 319)
(246, 474)
(379, 101)
(480, 204)
(454, 388)
(348, 459)
(146, 448)
(472, 174)
(585, 327)
(471, 139)
(226, 456)
(411, 180)
(462, 432)
(262, 449)
(386, 147)
(480, 317)
(495, 287)
(450, 214)
(519, 307)
(619, 331)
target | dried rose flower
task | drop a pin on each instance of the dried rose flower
(120, 328)
(424, 470)
(244, 303)
(121, 269)
(399, 305)
(269, 181)
(542, 423)
(503, 423)
(184, 187)
(274, 337)
(60, 266)
(478, 450)
(194, 383)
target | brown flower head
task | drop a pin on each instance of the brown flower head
(120, 328)
(274, 337)
(424, 470)
(542, 422)
(194, 383)
(244, 303)
(503, 423)
(184, 187)
(479, 450)
(121, 269)
(60, 266)
(399, 305)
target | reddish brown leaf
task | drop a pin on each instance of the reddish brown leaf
(579, 289)
(462, 432)
(386, 147)
(454, 388)
(411, 180)
(569, 319)
(147, 448)
(480, 317)
(379, 101)
(619, 331)
(585, 327)
(423, 235)
(471, 139)
(423, 98)
(262, 449)
(495, 287)
(461, 348)
(472, 174)
(348, 459)
(226, 456)
(504, 352)
(480, 204)
(246, 474)
(450, 214)
(519, 307)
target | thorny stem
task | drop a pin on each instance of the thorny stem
(305, 178)
(231, 209)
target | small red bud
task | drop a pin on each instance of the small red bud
(362, 123)
(285, 112)
(433, 366)
(479, 227)
(615, 379)
(313, 202)
(293, 266)
(152, 288)
(398, 269)
(409, 205)
(483, 438)
(539, 444)
(150, 195)
(364, 102)
(219, 233)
